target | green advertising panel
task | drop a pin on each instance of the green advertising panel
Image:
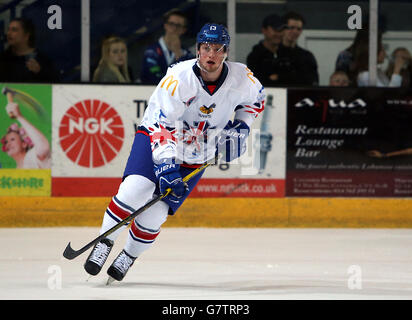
(25, 112)
(25, 139)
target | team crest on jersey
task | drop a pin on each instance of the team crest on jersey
(208, 110)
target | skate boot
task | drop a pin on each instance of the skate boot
(98, 256)
(120, 266)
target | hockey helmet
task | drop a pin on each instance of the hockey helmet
(213, 33)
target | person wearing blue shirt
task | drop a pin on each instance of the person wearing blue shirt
(167, 50)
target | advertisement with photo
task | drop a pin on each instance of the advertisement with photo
(25, 137)
(349, 142)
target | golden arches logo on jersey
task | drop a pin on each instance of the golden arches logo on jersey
(170, 82)
(250, 75)
(208, 110)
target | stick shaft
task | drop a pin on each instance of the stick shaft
(69, 253)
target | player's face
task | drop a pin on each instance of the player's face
(211, 56)
(16, 34)
(118, 54)
(294, 30)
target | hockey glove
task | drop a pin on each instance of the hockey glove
(168, 176)
(232, 141)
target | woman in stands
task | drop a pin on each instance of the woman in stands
(362, 66)
(113, 65)
(401, 56)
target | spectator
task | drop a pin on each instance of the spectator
(264, 60)
(303, 61)
(345, 58)
(113, 66)
(361, 63)
(339, 79)
(403, 55)
(167, 50)
(21, 61)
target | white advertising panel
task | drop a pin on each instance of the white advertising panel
(94, 128)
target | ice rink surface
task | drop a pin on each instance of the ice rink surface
(215, 264)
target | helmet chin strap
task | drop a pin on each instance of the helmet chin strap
(203, 69)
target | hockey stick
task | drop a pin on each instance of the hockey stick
(70, 254)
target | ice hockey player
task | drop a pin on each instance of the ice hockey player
(200, 107)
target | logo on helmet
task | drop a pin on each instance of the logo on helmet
(214, 33)
(211, 35)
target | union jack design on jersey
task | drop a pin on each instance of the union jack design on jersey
(255, 109)
(196, 135)
(160, 136)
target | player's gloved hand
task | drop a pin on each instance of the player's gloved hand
(168, 175)
(232, 141)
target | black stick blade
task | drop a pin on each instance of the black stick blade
(69, 253)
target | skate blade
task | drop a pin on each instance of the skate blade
(110, 280)
(88, 277)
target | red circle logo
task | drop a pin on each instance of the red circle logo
(91, 133)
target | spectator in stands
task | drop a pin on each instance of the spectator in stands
(345, 58)
(21, 61)
(402, 56)
(167, 50)
(303, 61)
(113, 66)
(361, 64)
(264, 60)
(339, 79)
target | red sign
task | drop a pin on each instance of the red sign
(91, 133)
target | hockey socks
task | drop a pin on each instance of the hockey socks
(115, 213)
(140, 239)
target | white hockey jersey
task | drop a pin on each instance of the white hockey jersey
(184, 119)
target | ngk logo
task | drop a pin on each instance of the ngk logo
(91, 133)
(91, 125)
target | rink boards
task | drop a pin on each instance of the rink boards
(219, 212)
(309, 161)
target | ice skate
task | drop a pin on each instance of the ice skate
(98, 257)
(120, 266)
